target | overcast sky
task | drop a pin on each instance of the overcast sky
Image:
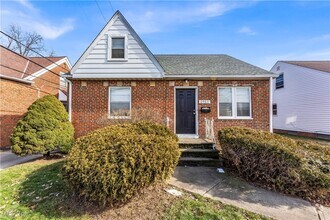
(258, 32)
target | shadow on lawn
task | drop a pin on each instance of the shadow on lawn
(44, 191)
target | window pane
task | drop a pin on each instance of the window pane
(280, 81)
(243, 95)
(225, 102)
(119, 109)
(243, 109)
(118, 43)
(118, 53)
(118, 48)
(225, 109)
(243, 102)
(120, 101)
(225, 95)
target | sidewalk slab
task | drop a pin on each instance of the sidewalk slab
(8, 159)
(235, 191)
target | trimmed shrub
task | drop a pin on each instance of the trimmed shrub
(45, 127)
(295, 167)
(112, 164)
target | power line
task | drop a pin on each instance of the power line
(7, 35)
(111, 6)
(100, 10)
(41, 65)
(29, 75)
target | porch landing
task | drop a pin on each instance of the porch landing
(194, 141)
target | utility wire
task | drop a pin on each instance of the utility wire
(41, 66)
(34, 52)
(100, 10)
(111, 6)
(29, 75)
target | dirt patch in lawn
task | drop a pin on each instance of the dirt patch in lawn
(151, 203)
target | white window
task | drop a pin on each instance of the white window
(234, 103)
(119, 102)
(117, 48)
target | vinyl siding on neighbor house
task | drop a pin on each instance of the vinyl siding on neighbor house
(137, 65)
(303, 104)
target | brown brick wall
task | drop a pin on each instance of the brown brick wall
(17, 97)
(90, 103)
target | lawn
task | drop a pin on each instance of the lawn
(36, 191)
(309, 139)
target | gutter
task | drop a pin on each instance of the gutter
(66, 78)
(16, 79)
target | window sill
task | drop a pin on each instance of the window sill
(119, 117)
(237, 118)
(117, 60)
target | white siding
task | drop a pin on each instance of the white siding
(304, 102)
(95, 62)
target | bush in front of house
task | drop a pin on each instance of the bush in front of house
(279, 163)
(45, 127)
(110, 165)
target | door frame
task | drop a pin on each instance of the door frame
(196, 115)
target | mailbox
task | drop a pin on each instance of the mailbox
(205, 109)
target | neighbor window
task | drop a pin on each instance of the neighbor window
(120, 102)
(275, 109)
(117, 48)
(280, 81)
(234, 102)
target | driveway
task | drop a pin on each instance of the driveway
(8, 159)
(235, 191)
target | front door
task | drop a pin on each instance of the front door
(185, 111)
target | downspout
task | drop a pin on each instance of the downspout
(271, 104)
(70, 100)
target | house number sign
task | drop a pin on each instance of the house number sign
(204, 101)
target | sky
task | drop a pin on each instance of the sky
(257, 32)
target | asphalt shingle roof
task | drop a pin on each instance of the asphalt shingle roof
(20, 67)
(207, 65)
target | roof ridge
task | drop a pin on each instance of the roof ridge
(304, 60)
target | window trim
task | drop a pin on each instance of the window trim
(281, 74)
(130, 103)
(109, 58)
(273, 109)
(234, 103)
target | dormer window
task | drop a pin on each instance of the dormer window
(117, 48)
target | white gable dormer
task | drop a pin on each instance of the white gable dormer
(118, 53)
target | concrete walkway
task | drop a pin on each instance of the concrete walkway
(235, 191)
(8, 159)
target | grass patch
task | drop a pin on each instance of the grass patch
(309, 139)
(199, 208)
(36, 190)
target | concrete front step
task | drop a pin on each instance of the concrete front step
(206, 153)
(200, 162)
(196, 145)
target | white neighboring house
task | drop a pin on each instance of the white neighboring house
(301, 98)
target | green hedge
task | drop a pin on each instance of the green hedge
(280, 163)
(112, 164)
(45, 127)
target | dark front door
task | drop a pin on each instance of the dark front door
(185, 111)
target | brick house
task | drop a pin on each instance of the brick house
(118, 74)
(22, 81)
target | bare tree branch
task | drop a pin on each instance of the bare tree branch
(33, 41)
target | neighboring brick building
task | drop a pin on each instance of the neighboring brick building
(22, 82)
(118, 73)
